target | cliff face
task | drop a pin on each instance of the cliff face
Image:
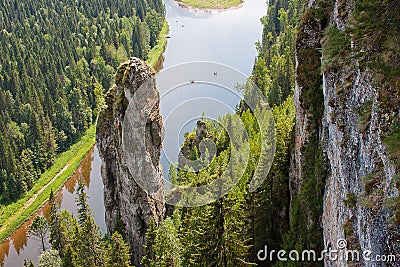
(128, 207)
(342, 118)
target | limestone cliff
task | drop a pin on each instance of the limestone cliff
(342, 120)
(127, 205)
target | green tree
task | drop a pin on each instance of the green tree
(65, 129)
(118, 252)
(57, 238)
(141, 40)
(166, 250)
(39, 229)
(88, 248)
(49, 258)
(151, 235)
(100, 101)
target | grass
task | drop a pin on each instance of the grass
(212, 4)
(73, 157)
(336, 45)
(392, 142)
(351, 200)
(157, 51)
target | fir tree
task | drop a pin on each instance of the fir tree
(118, 252)
(49, 258)
(39, 229)
(88, 248)
(166, 249)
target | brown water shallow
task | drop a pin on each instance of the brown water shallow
(20, 245)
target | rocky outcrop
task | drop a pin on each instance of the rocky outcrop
(191, 144)
(308, 169)
(362, 174)
(128, 206)
(347, 123)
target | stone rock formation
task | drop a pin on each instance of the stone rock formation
(128, 206)
(345, 123)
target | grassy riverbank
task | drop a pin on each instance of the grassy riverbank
(16, 213)
(212, 4)
(157, 51)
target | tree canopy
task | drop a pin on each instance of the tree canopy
(57, 58)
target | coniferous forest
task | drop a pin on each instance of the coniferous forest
(230, 231)
(57, 59)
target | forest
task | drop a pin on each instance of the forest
(230, 231)
(60, 85)
(57, 60)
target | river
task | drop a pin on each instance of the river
(20, 246)
(226, 37)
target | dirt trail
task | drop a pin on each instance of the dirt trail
(30, 201)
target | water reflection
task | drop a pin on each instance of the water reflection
(4, 248)
(20, 246)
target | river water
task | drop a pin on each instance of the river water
(20, 246)
(226, 37)
(223, 37)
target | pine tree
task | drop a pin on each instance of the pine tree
(39, 229)
(56, 236)
(49, 258)
(151, 235)
(88, 249)
(166, 250)
(118, 252)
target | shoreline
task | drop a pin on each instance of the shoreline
(208, 9)
(157, 52)
(38, 196)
